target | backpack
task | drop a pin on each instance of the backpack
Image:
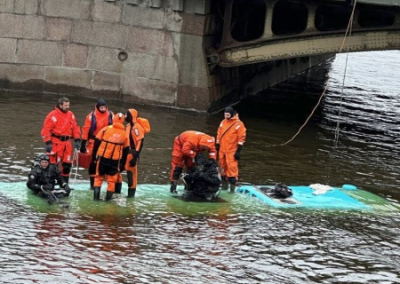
(144, 123)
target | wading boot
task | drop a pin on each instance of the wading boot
(224, 184)
(174, 184)
(131, 192)
(109, 195)
(96, 193)
(91, 182)
(66, 179)
(232, 188)
(118, 187)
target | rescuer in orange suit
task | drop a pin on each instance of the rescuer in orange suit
(110, 150)
(231, 136)
(58, 128)
(187, 147)
(135, 132)
(97, 119)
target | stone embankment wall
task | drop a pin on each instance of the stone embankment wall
(142, 51)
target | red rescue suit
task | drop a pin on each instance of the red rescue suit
(94, 122)
(231, 133)
(186, 147)
(101, 120)
(59, 127)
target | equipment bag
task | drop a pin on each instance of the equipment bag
(84, 160)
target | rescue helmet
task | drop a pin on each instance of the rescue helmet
(43, 157)
(119, 117)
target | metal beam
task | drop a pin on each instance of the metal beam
(380, 2)
(309, 46)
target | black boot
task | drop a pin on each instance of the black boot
(225, 184)
(109, 195)
(131, 192)
(91, 182)
(96, 195)
(118, 187)
(66, 179)
(173, 187)
(232, 188)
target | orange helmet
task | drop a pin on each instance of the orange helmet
(119, 117)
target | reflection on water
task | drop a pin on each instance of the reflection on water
(163, 244)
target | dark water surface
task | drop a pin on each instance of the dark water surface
(352, 138)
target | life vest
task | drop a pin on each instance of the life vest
(113, 140)
(94, 123)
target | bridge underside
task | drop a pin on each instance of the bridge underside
(275, 30)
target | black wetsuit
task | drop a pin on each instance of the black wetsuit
(203, 182)
(42, 182)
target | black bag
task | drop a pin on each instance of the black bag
(282, 191)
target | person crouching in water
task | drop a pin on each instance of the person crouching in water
(110, 151)
(186, 151)
(202, 182)
(43, 177)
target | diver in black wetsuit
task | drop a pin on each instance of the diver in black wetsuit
(43, 177)
(202, 182)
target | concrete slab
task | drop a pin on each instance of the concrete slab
(27, 7)
(140, 65)
(143, 17)
(100, 34)
(58, 29)
(8, 49)
(6, 6)
(110, 12)
(68, 81)
(22, 27)
(106, 81)
(40, 52)
(22, 77)
(71, 9)
(190, 97)
(150, 41)
(76, 56)
(104, 59)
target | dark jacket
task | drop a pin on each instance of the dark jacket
(38, 177)
(204, 181)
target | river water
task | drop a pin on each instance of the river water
(352, 138)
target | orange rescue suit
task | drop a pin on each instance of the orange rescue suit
(135, 133)
(111, 149)
(102, 120)
(59, 127)
(231, 133)
(94, 122)
(186, 146)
